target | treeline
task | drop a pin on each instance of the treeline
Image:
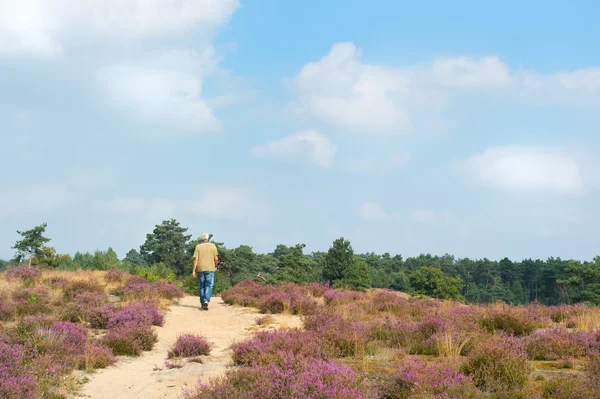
(167, 254)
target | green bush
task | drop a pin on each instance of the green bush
(156, 272)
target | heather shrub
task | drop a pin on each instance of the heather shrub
(87, 305)
(555, 343)
(96, 356)
(74, 335)
(168, 290)
(26, 327)
(318, 289)
(396, 333)
(499, 364)
(7, 309)
(565, 388)
(142, 313)
(510, 319)
(16, 379)
(263, 320)
(248, 293)
(348, 337)
(130, 340)
(335, 297)
(302, 305)
(292, 377)
(269, 346)
(56, 282)
(189, 345)
(420, 379)
(29, 301)
(24, 273)
(277, 302)
(114, 276)
(387, 301)
(99, 317)
(592, 375)
(76, 287)
(136, 288)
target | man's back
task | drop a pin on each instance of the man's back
(206, 253)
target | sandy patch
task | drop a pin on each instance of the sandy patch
(147, 376)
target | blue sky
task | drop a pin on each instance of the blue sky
(431, 127)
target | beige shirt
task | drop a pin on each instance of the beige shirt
(206, 252)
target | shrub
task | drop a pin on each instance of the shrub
(509, 319)
(114, 276)
(99, 317)
(96, 356)
(386, 301)
(7, 309)
(292, 377)
(24, 273)
(74, 335)
(268, 347)
(16, 380)
(168, 290)
(555, 343)
(87, 306)
(592, 375)
(130, 340)
(499, 364)
(29, 301)
(264, 320)
(565, 388)
(189, 345)
(277, 302)
(76, 287)
(136, 314)
(318, 289)
(302, 305)
(56, 282)
(348, 337)
(420, 379)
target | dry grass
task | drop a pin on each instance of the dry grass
(588, 320)
(450, 345)
(7, 287)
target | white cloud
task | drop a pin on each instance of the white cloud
(422, 215)
(44, 26)
(309, 146)
(229, 203)
(344, 92)
(165, 90)
(372, 212)
(524, 169)
(464, 72)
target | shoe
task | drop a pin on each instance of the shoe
(205, 306)
(202, 306)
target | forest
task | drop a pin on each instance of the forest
(167, 254)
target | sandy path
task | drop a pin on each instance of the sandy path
(147, 376)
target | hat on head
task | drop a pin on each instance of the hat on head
(204, 236)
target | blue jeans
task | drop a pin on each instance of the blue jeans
(206, 281)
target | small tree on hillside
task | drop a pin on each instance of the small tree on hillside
(32, 243)
(429, 280)
(338, 259)
(167, 244)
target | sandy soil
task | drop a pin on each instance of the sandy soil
(147, 376)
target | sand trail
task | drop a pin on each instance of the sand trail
(147, 376)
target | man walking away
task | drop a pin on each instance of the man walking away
(205, 260)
